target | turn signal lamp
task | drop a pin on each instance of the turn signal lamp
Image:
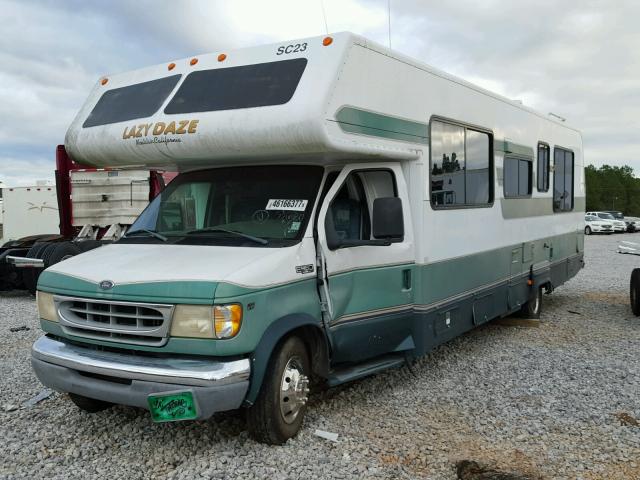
(227, 320)
(326, 41)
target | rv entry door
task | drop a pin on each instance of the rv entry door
(365, 239)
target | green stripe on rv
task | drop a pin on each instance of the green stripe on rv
(534, 207)
(505, 146)
(362, 291)
(439, 281)
(355, 120)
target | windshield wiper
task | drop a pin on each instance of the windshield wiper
(259, 240)
(146, 232)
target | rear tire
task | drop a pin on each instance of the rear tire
(62, 251)
(86, 245)
(89, 405)
(46, 253)
(278, 412)
(533, 308)
(634, 291)
(587, 230)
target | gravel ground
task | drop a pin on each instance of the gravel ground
(558, 401)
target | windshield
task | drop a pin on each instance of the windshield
(607, 216)
(618, 215)
(267, 206)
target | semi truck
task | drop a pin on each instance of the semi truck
(88, 207)
(340, 209)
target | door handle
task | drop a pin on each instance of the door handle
(406, 279)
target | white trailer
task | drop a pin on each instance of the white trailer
(340, 209)
(87, 208)
(28, 211)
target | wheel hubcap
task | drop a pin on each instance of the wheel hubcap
(294, 390)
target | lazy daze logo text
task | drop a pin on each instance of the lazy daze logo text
(146, 133)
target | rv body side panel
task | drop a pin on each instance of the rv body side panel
(472, 264)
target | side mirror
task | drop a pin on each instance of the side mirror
(388, 222)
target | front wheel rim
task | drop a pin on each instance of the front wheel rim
(294, 390)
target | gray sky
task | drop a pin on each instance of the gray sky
(580, 59)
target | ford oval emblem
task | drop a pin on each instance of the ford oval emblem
(106, 284)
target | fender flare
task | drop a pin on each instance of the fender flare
(269, 341)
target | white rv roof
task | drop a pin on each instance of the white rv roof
(269, 102)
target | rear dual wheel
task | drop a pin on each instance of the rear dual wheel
(533, 308)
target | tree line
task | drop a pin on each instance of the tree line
(613, 188)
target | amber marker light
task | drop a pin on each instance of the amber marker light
(222, 57)
(104, 81)
(326, 41)
(171, 66)
(193, 61)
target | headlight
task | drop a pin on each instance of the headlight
(227, 320)
(46, 306)
(202, 321)
(192, 321)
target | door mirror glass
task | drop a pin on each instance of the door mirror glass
(388, 222)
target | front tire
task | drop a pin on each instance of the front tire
(533, 308)
(89, 405)
(634, 291)
(278, 412)
(587, 230)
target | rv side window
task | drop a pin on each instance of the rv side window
(461, 167)
(517, 177)
(543, 167)
(352, 206)
(562, 180)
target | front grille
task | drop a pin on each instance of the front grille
(122, 322)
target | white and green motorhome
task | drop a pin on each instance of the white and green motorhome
(340, 209)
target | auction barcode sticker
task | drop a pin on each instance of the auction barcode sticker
(286, 204)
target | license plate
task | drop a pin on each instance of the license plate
(171, 407)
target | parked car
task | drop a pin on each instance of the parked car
(633, 224)
(595, 224)
(618, 225)
(618, 215)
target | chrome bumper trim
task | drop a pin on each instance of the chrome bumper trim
(176, 370)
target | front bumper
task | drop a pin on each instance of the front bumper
(128, 379)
